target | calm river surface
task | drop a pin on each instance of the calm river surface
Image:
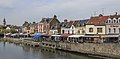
(12, 51)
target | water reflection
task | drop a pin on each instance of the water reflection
(12, 51)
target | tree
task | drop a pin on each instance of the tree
(12, 30)
(3, 30)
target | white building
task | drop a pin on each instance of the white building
(113, 24)
(70, 27)
(69, 30)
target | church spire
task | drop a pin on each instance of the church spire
(4, 22)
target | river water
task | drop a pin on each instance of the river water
(13, 51)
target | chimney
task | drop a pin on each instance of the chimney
(65, 20)
(100, 15)
(115, 13)
(55, 17)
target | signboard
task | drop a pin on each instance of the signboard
(114, 26)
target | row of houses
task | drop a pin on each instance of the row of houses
(97, 27)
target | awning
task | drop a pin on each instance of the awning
(109, 36)
(76, 36)
(66, 35)
(13, 34)
(37, 36)
(56, 35)
(46, 35)
(89, 36)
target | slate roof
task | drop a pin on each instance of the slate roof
(76, 23)
(26, 24)
(83, 22)
(46, 20)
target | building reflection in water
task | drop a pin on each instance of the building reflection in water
(47, 53)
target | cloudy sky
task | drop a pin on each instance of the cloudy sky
(18, 11)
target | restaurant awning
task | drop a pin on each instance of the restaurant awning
(109, 36)
(66, 35)
(90, 36)
(56, 35)
(76, 36)
(37, 36)
(46, 35)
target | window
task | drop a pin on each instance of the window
(114, 21)
(68, 32)
(72, 31)
(119, 30)
(78, 31)
(90, 29)
(72, 27)
(109, 30)
(99, 30)
(114, 30)
(62, 31)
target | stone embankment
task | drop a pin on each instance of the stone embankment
(21, 41)
(108, 50)
(102, 49)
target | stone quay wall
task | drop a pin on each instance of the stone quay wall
(108, 50)
(102, 49)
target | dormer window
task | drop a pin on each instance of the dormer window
(114, 21)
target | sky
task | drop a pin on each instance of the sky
(17, 11)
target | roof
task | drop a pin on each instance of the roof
(114, 16)
(83, 22)
(76, 23)
(26, 24)
(46, 20)
(70, 23)
(98, 20)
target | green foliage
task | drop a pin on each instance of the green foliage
(12, 30)
(3, 30)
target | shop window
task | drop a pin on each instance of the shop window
(114, 30)
(63, 31)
